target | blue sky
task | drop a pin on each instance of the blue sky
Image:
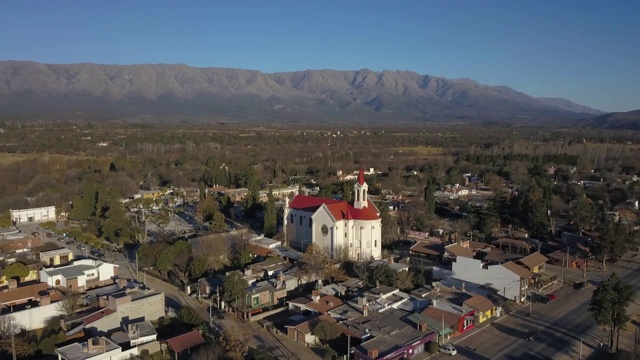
(586, 51)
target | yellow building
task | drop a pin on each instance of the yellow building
(534, 262)
(56, 257)
(150, 194)
(484, 308)
(33, 275)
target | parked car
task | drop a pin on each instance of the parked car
(551, 298)
(579, 285)
(448, 349)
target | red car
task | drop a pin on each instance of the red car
(551, 298)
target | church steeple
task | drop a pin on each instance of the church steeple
(361, 192)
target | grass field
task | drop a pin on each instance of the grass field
(418, 150)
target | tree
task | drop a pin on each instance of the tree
(389, 231)
(235, 342)
(5, 219)
(240, 249)
(584, 214)
(614, 241)
(362, 271)
(214, 250)
(148, 254)
(404, 280)
(270, 216)
(208, 352)
(334, 273)
(534, 210)
(9, 341)
(70, 304)
(382, 274)
(189, 315)
(315, 261)
(429, 198)
(326, 330)
(218, 222)
(198, 266)
(609, 304)
(347, 191)
(233, 287)
(181, 256)
(16, 270)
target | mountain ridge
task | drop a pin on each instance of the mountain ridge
(38, 89)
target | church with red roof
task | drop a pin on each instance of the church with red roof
(339, 227)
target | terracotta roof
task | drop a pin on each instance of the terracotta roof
(498, 256)
(307, 325)
(428, 247)
(23, 293)
(340, 210)
(477, 245)
(517, 269)
(186, 341)
(512, 242)
(458, 250)
(361, 177)
(97, 316)
(259, 250)
(533, 260)
(27, 242)
(480, 303)
(450, 318)
(325, 304)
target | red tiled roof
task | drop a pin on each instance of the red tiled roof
(361, 177)
(340, 210)
(448, 318)
(186, 341)
(97, 316)
(22, 293)
(259, 250)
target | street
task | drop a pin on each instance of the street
(561, 325)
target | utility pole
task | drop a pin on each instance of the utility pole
(580, 358)
(348, 346)
(530, 301)
(442, 329)
(137, 272)
(210, 319)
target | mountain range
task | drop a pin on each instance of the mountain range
(33, 90)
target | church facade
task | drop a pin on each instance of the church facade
(339, 227)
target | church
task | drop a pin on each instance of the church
(337, 226)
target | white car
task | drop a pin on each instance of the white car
(448, 349)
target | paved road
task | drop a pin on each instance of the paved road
(561, 326)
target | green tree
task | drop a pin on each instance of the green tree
(326, 330)
(84, 206)
(189, 315)
(234, 288)
(614, 241)
(429, 198)
(240, 249)
(16, 270)
(347, 191)
(51, 225)
(148, 253)
(609, 304)
(218, 223)
(270, 216)
(584, 214)
(199, 266)
(389, 231)
(382, 274)
(5, 219)
(535, 212)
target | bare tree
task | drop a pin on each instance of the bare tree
(362, 270)
(214, 250)
(70, 304)
(9, 342)
(315, 261)
(208, 352)
(235, 342)
(240, 248)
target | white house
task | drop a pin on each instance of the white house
(339, 227)
(97, 348)
(80, 275)
(33, 215)
(509, 279)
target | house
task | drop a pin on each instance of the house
(496, 256)
(262, 295)
(31, 295)
(484, 308)
(56, 257)
(97, 348)
(459, 318)
(269, 267)
(314, 303)
(136, 334)
(33, 267)
(426, 252)
(278, 193)
(19, 243)
(509, 280)
(387, 335)
(438, 318)
(302, 330)
(80, 275)
(236, 195)
(186, 342)
(534, 262)
(150, 194)
(336, 226)
(40, 214)
(391, 262)
(119, 309)
(573, 257)
(453, 251)
(513, 246)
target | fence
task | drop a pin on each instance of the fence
(267, 313)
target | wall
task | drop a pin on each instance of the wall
(151, 308)
(36, 317)
(501, 279)
(263, 315)
(39, 214)
(33, 275)
(125, 354)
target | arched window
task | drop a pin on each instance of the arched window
(357, 195)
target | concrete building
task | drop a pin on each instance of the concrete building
(33, 215)
(340, 228)
(97, 348)
(80, 275)
(56, 257)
